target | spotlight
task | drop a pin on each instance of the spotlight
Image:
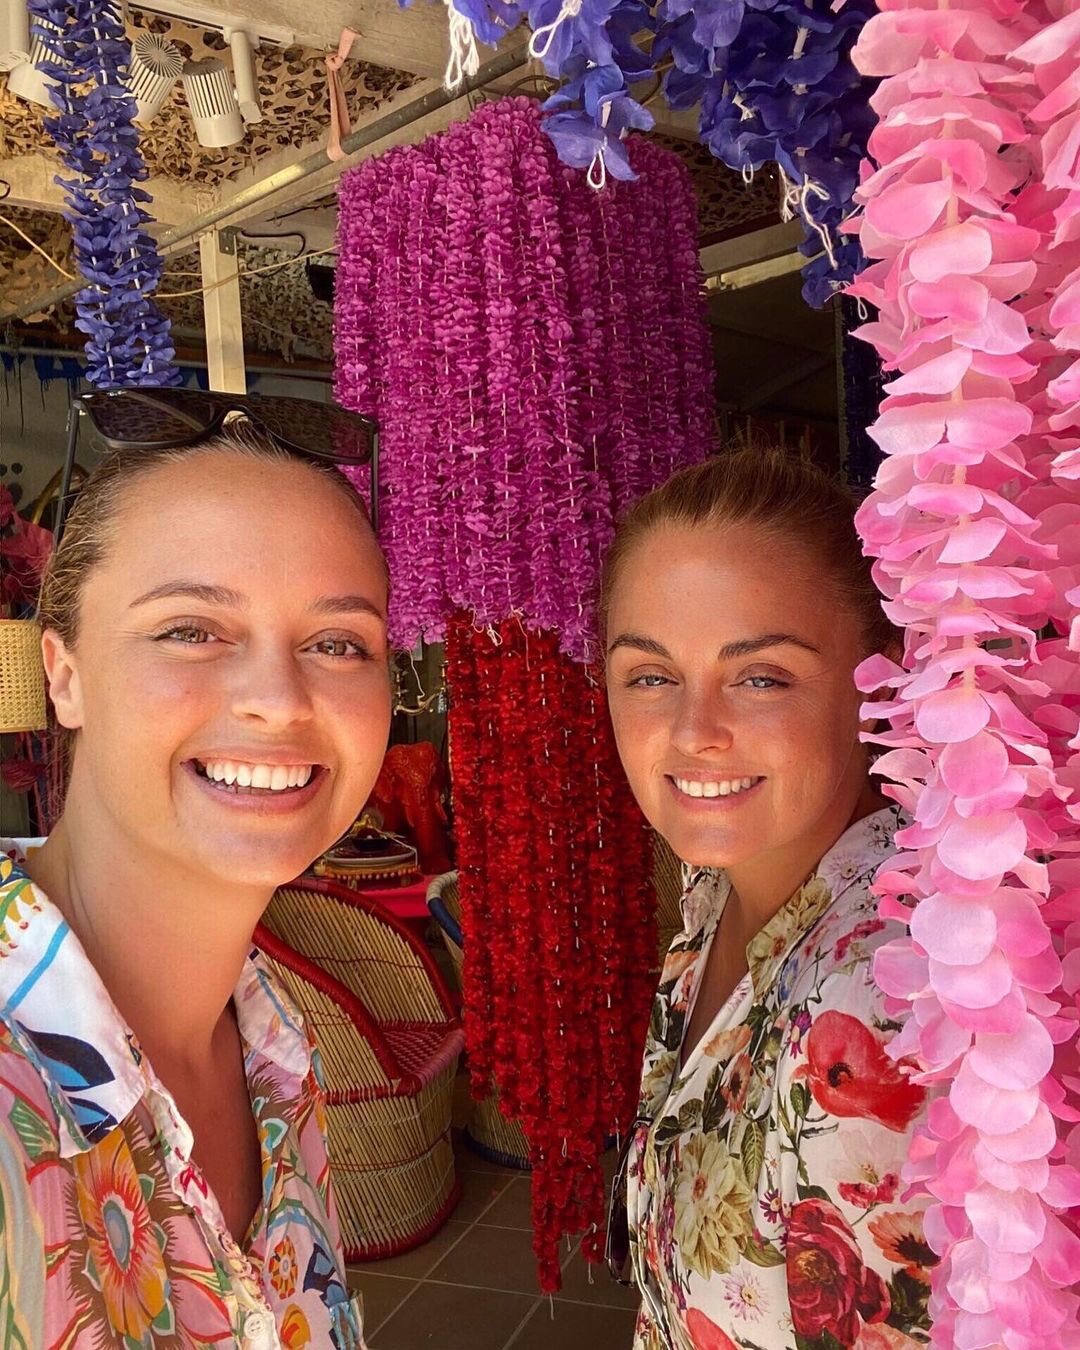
(22, 54)
(156, 65)
(212, 100)
(247, 96)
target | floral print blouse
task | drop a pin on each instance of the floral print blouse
(109, 1235)
(764, 1194)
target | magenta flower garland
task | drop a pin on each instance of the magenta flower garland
(971, 218)
(536, 354)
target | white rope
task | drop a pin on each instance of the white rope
(464, 59)
(544, 36)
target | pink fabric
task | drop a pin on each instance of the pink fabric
(970, 219)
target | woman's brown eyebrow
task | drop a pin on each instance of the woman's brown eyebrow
(642, 644)
(729, 652)
(347, 604)
(748, 646)
(193, 590)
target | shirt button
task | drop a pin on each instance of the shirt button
(260, 1331)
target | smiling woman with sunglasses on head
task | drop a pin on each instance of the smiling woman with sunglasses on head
(215, 643)
(763, 1201)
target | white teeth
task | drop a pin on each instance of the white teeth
(267, 777)
(693, 787)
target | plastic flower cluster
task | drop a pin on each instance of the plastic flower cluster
(970, 220)
(478, 256)
(558, 913)
(774, 79)
(128, 338)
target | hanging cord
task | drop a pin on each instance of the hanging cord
(464, 59)
(335, 92)
(544, 36)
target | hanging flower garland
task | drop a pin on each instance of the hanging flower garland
(128, 339)
(479, 257)
(774, 79)
(983, 738)
(557, 912)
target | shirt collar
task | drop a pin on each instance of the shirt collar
(61, 1016)
(851, 861)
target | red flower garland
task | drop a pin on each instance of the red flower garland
(557, 910)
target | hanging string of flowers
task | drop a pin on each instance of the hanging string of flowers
(774, 80)
(557, 910)
(128, 338)
(478, 257)
(491, 311)
(971, 282)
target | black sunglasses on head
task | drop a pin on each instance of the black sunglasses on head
(164, 419)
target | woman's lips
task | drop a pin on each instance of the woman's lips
(718, 794)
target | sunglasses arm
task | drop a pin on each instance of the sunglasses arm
(74, 414)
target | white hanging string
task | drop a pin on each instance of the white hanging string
(464, 59)
(544, 36)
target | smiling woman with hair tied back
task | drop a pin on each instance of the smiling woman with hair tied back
(215, 643)
(760, 1197)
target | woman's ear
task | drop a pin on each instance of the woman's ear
(62, 674)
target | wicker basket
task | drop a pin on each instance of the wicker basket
(390, 1042)
(488, 1132)
(22, 676)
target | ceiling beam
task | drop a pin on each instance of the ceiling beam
(33, 185)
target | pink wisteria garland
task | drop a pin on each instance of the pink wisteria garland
(974, 240)
(536, 354)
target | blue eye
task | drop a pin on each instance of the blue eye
(764, 682)
(648, 682)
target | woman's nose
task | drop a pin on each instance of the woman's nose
(701, 724)
(271, 688)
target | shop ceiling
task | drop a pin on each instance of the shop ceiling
(396, 61)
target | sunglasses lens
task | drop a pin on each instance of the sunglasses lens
(316, 428)
(151, 418)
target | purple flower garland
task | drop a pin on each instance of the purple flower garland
(491, 311)
(128, 338)
(774, 79)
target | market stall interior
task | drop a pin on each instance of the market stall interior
(553, 269)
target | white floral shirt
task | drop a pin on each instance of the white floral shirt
(764, 1194)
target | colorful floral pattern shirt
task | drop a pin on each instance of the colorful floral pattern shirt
(109, 1235)
(764, 1194)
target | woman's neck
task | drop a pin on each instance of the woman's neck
(168, 945)
(761, 886)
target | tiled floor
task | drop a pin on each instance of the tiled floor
(473, 1286)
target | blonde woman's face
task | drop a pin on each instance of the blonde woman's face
(230, 680)
(730, 683)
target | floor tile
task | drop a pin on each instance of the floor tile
(602, 1292)
(513, 1209)
(479, 1191)
(447, 1317)
(570, 1325)
(382, 1294)
(420, 1260)
(491, 1258)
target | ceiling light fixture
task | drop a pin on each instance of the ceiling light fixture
(22, 54)
(212, 102)
(156, 65)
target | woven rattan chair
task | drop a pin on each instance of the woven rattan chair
(488, 1132)
(389, 1041)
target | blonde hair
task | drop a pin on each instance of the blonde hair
(91, 527)
(789, 500)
